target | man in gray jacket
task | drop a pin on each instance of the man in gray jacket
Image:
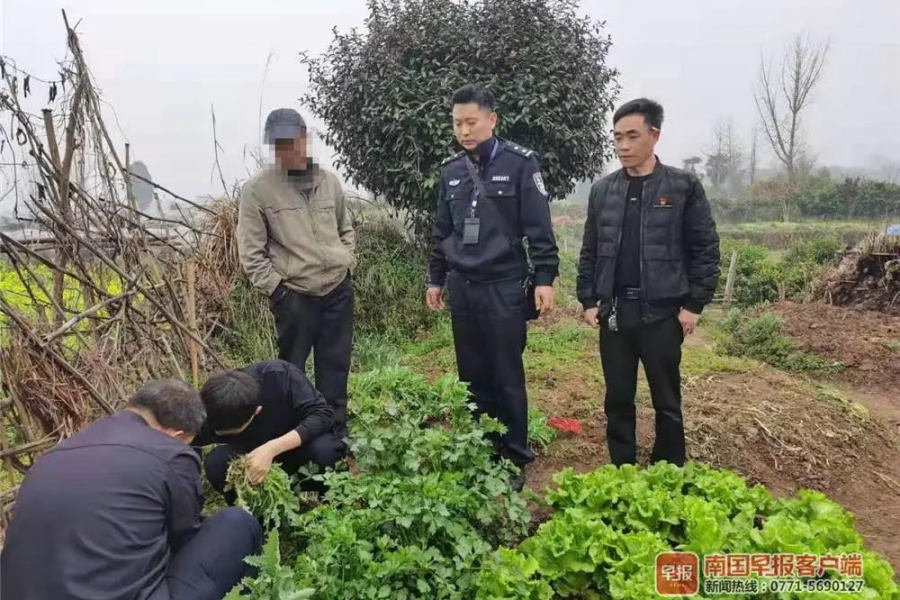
(296, 244)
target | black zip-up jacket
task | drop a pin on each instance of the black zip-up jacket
(289, 401)
(679, 243)
(516, 208)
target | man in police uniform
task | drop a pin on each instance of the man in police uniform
(492, 216)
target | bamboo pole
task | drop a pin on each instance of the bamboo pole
(58, 279)
(729, 283)
(192, 321)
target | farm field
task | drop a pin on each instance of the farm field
(127, 283)
(826, 420)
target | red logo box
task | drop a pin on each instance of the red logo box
(677, 574)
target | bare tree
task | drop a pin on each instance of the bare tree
(754, 150)
(690, 164)
(725, 159)
(782, 101)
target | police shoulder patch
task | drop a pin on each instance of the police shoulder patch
(450, 159)
(520, 150)
(539, 183)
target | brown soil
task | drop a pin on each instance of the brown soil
(867, 343)
(770, 427)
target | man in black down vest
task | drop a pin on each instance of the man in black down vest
(649, 264)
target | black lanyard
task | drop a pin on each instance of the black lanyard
(476, 178)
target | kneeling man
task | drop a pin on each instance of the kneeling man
(271, 412)
(114, 512)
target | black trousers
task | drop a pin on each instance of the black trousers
(489, 334)
(325, 326)
(658, 346)
(212, 563)
(324, 451)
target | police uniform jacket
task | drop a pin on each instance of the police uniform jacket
(513, 219)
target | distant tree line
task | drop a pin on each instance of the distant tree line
(816, 197)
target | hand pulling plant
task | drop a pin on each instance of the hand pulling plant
(273, 501)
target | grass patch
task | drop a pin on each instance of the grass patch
(764, 339)
(699, 361)
(372, 351)
(832, 395)
(811, 227)
(431, 350)
(389, 283)
(558, 346)
(251, 336)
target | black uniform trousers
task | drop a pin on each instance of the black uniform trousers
(212, 562)
(324, 451)
(489, 334)
(658, 346)
(325, 326)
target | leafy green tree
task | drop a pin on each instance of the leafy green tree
(383, 91)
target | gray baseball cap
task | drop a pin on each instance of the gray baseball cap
(284, 124)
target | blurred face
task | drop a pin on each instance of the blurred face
(291, 154)
(473, 124)
(635, 140)
(242, 428)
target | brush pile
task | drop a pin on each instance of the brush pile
(867, 278)
(98, 296)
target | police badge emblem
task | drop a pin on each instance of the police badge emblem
(539, 184)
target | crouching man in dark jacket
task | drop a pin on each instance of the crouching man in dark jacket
(114, 512)
(271, 412)
(649, 264)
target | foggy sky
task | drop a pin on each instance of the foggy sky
(698, 57)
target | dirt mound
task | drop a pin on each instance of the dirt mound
(789, 434)
(867, 343)
(868, 277)
(768, 425)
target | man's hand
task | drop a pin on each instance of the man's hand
(434, 299)
(260, 463)
(590, 316)
(688, 321)
(543, 299)
(278, 293)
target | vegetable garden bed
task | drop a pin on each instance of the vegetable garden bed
(428, 513)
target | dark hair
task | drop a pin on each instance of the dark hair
(651, 110)
(173, 403)
(471, 93)
(230, 398)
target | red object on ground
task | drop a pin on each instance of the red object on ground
(563, 424)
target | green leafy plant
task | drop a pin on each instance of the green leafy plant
(511, 574)
(756, 276)
(426, 506)
(609, 525)
(273, 501)
(539, 433)
(273, 581)
(382, 91)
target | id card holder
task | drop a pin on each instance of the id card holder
(471, 227)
